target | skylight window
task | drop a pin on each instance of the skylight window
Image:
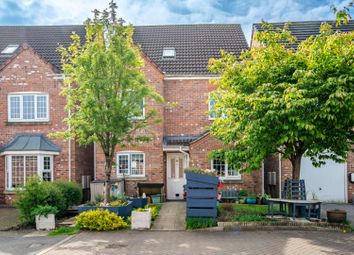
(169, 53)
(10, 49)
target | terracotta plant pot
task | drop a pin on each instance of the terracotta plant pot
(336, 216)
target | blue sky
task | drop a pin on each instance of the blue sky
(148, 12)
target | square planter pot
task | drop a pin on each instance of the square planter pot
(45, 223)
(141, 220)
(138, 202)
(124, 211)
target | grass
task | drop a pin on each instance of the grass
(243, 213)
(64, 231)
(195, 223)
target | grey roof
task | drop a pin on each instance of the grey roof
(194, 45)
(43, 39)
(182, 140)
(31, 142)
(304, 29)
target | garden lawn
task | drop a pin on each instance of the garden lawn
(247, 213)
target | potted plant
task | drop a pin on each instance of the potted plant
(138, 202)
(336, 216)
(252, 199)
(264, 199)
(141, 218)
(45, 217)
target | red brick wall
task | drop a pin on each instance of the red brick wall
(350, 169)
(199, 158)
(154, 158)
(29, 73)
(189, 116)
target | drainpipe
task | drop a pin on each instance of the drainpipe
(279, 167)
(185, 154)
(262, 177)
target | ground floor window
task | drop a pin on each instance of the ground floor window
(224, 170)
(131, 163)
(20, 168)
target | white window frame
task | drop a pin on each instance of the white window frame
(227, 176)
(210, 108)
(10, 49)
(169, 53)
(21, 95)
(40, 167)
(141, 117)
(129, 154)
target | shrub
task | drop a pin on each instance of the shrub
(155, 210)
(100, 220)
(44, 210)
(71, 191)
(34, 194)
(194, 223)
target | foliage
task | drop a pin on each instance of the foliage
(105, 87)
(343, 15)
(195, 223)
(99, 198)
(118, 203)
(155, 210)
(44, 210)
(64, 231)
(100, 220)
(242, 193)
(71, 191)
(36, 193)
(277, 99)
(201, 171)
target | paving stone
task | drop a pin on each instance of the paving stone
(171, 217)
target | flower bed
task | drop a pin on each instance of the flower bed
(121, 209)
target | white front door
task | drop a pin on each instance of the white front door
(176, 163)
(326, 183)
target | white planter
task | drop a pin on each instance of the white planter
(45, 223)
(141, 220)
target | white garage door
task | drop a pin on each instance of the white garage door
(327, 183)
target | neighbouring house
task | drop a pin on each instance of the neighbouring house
(331, 182)
(31, 108)
(176, 64)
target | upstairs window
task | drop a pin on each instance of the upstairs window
(169, 53)
(211, 108)
(28, 107)
(10, 49)
(131, 163)
(223, 170)
(141, 110)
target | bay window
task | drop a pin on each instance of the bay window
(131, 163)
(28, 107)
(19, 168)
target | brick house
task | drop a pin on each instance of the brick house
(31, 108)
(176, 59)
(332, 181)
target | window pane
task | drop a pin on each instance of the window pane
(137, 164)
(42, 107)
(173, 168)
(181, 170)
(15, 107)
(46, 164)
(31, 166)
(219, 166)
(17, 171)
(212, 115)
(28, 107)
(123, 164)
(231, 172)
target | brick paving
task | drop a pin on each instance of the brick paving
(8, 218)
(205, 243)
(172, 217)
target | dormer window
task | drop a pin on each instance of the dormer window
(169, 53)
(10, 49)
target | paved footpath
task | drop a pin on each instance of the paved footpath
(172, 217)
(205, 243)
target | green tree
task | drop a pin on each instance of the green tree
(106, 88)
(278, 99)
(342, 15)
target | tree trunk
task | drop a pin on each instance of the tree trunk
(296, 164)
(107, 171)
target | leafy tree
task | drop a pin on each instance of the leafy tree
(281, 99)
(105, 87)
(343, 15)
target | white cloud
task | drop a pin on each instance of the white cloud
(142, 12)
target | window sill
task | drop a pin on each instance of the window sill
(9, 192)
(27, 123)
(231, 180)
(134, 178)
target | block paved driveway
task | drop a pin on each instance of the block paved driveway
(180, 242)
